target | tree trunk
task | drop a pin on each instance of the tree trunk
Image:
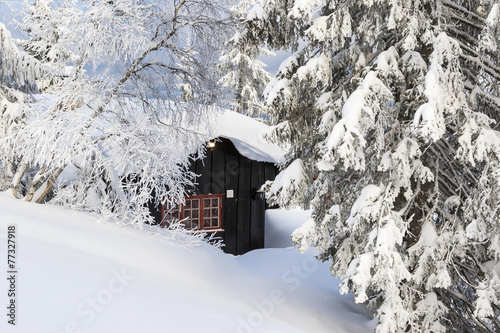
(42, 192)
(39, 178)
(18, 176)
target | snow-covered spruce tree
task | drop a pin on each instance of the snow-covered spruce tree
(392, 111)
(44, 40)
(243, 72)
(18, 73)
(117, 127)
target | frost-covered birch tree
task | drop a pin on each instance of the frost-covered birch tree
(392, 111)
(116, 129)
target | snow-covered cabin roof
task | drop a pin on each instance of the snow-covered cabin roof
(247, 135)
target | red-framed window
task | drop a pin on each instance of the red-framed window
(199, 212)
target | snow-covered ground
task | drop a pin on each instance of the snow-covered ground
(74, 275)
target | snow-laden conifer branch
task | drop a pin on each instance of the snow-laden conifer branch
(244, 75)
(391, 109)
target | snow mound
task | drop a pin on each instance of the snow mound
(74, 275)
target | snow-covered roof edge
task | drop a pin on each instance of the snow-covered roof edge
(247, 135)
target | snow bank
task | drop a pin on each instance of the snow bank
(78, 276)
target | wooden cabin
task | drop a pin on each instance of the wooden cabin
(226, 199)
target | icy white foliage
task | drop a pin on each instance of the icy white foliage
(346, 139)
(490, 33)
(117, 122)
(478, 140)
(243, 72)
(327, 26)
(289, 183)
(256, 13)
(303, 9)
(494, 15)
(287, 66)
(117, 164)
(17, 69)
(444, 93)
(278, 88)
(18, 74)
(304, 234)
(12, 113)
(391, 110)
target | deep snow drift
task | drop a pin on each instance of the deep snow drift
(74, 275)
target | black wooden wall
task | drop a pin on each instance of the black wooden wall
(223, 169)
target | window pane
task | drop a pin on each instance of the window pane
(215, 212)
(188, 204)
(187, 224)
(171, 212)
(169, 217)
(206, 202)
(187, 213)
(195, 203)
(215, 222)
(195, 224)
(206, 212)
(170, 207)
(206, 223)
(195, 214)
(215, 202)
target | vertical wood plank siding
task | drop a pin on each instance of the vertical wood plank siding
(222, 169)
(243, 197)
(258, 206)
(231, 205)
